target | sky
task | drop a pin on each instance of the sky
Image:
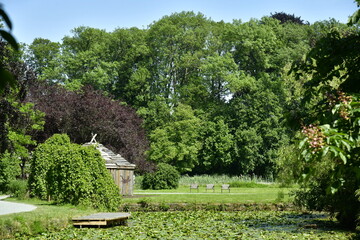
(54, 19)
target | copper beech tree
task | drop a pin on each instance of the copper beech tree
(86, 112)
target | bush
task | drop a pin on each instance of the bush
(70, 173)
(239, 184)
(165, 177)
(18, 188)
(9, 170)
(343, 203)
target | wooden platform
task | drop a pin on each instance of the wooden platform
(101, 219)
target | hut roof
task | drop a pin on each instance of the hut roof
(112, 160)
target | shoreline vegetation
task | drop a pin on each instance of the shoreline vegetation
(156, 207)
(168, 220)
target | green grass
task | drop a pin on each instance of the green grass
(244, 189)
(235, 181)
(45, 218)
(221, 179)
(236, 195)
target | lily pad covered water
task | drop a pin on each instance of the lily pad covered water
(214, 225)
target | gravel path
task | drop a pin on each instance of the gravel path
(11, 207)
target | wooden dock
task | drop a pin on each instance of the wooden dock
(101, 220)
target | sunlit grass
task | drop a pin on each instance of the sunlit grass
(236, 195)
(46, 217)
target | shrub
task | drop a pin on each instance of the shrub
(165, 177)
(239, 184)
(18, 188)
(9, 170)
(70, 173)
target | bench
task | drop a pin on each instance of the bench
(210, 187)
(225, 187)
(194, 186)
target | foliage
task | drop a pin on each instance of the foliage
(9, 170)
(217, 144)
(178, 142)
(47, 217)
(81, 114)
(330, 145)
(288, 167)
(356, 15)
(70, 173)
(18, 120)
(228, 79)
(42, 56)
(214, 225)
(5, 76)
(186, 180)
(256, 120)
(165, 177)
(18, 188)
(286, 18)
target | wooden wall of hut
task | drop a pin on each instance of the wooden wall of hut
(124, 179)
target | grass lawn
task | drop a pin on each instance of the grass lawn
(236, 195)
(45, 218)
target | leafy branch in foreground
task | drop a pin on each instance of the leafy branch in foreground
(330, 146)
(5, 76)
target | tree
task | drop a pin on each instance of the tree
(70, 173)
(18, 120)
(176, 45)
(178, 142)
(286, 18)
(330, 145)
(258, 129)
(217, 145)
(43, 56)
(81, 114)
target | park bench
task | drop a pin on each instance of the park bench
(225, 187)
(194, 186)
(210, 187)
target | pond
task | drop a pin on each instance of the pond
(214, 225)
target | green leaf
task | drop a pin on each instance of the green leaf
(6, 78)
(333, 190)
(334, 150)
(10, 39)
(325, 151)
(301, 144)
(343, 157)
(5, 17)
(346, 144)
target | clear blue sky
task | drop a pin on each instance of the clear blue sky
(53, 19)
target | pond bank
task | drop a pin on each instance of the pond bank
(144, 206)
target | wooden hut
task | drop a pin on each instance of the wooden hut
(121, 170)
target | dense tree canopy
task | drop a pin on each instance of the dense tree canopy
(212, 94)
(81, 114)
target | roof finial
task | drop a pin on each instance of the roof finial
(93, 140)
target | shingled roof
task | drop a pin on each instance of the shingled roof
(112, 160)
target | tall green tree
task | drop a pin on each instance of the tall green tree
(178, 141)
(43, 56)
(176, 44)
